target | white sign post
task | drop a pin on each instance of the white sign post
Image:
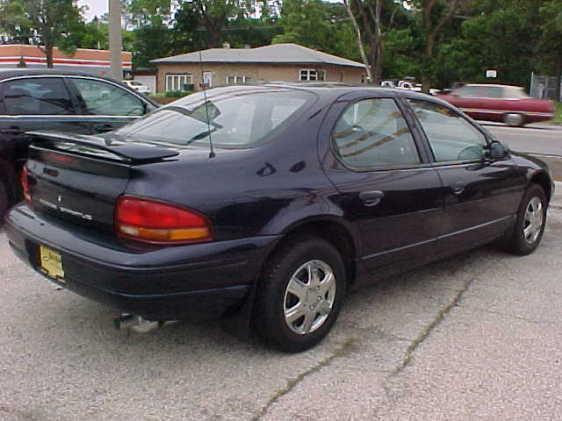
(491, 74)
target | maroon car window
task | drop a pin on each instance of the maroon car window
(480, 91)
(451, 136)
(37, 96)
(372, 133)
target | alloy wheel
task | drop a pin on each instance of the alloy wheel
(534, 219)
(309, 297)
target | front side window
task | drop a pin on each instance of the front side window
(232, 121)
(372, 133)
(37, 96)
(102, 98)
(178, 82)
(307, 75)
(451, 136)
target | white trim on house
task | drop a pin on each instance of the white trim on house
(309, 75)
(177, 81)
(237, 79)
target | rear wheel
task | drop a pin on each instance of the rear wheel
(300, 294)
(527, 233)
(514, 119)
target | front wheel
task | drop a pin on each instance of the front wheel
(527, 233)
(300, 294)
(514, 120)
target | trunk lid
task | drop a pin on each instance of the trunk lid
(78, 178)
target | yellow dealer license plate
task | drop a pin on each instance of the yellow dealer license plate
(51, 263)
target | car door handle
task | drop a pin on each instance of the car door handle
(371, 198)
(12, 130)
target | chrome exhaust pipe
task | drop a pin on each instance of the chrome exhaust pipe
(136, 323)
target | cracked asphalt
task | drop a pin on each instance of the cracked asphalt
(478, 336)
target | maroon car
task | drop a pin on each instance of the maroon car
(501, 103)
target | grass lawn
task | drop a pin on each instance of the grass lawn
(558, 114)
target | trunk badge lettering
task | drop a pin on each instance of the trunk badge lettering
(63, 209)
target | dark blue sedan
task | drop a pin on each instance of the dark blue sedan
(270, 202)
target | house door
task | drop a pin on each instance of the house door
(208, 79)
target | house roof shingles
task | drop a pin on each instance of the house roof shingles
(270, 54)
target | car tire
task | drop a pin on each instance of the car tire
(514, 120)
(526, 234)
(294, 310)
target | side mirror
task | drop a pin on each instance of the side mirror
(497, 150)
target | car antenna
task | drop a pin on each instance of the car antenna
(212, 149)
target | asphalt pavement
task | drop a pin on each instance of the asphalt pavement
(477, 336)
(539, 139)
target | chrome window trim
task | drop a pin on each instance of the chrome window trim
(66, 116)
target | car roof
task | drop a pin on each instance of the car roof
(339, 87)
(328, 91)
(6, 73)
(488, 85)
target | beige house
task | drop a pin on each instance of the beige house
(237, 66)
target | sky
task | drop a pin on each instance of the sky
(95, 7)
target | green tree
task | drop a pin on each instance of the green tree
(212, 16)
(494, 34)
(433, 18)
(373, 22)
(93, 34)
(52, 22)
(151, 35)
(550, 44)
(316, 24)
(14, 22)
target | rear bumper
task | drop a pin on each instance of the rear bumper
(181, 282)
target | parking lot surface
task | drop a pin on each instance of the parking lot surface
(478, 336)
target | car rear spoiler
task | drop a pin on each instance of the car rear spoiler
(102, 147)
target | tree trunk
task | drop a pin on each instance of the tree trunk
(214, 38)
(377, 62)
(426, 77)
(359, 41)
(49, 55)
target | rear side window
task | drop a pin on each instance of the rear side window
(232, 120)
(451, 136)
(480, 92)
(372, 133)
(101, 98)
(37, 96)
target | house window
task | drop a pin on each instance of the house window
(237, 80)
(312, 74)
(177, 81)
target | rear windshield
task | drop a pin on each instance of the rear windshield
(232, 119)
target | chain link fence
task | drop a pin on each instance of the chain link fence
(544, 87)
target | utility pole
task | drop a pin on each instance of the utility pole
(115, 42)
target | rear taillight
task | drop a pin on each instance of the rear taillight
(24, 180)
(156, 222)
